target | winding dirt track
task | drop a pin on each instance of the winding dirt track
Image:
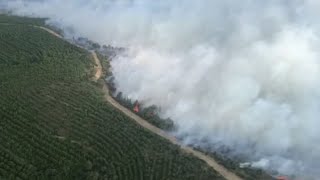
(49, 31)
(209, 160)
(98, 67)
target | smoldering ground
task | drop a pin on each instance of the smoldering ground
(242, 74)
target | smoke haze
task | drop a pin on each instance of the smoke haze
(240, 74)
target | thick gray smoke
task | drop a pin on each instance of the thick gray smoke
(245, 74)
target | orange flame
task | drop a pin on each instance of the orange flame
(136, 108)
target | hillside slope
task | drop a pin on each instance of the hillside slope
(54, 123)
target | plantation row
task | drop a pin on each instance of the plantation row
(21, 20)
(54, 123)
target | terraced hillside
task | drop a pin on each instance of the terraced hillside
(54, 123)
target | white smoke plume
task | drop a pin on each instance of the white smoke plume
(244, 74)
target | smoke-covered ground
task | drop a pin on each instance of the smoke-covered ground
(243, 74)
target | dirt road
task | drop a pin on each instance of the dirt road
(98, 66)
(49, 31)
(209, 160)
